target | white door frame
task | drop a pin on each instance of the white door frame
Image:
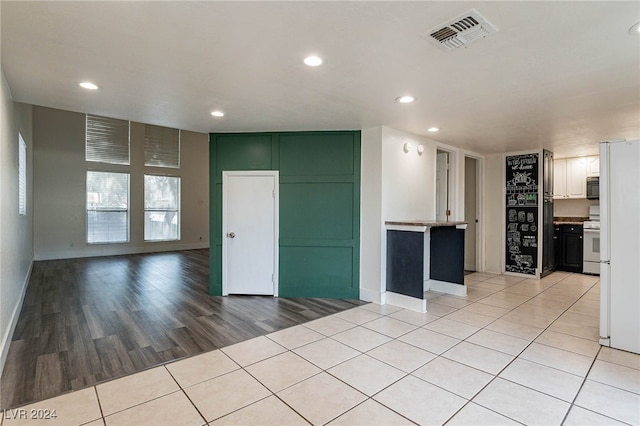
(447, 187)
(276, 214)
(479, 208)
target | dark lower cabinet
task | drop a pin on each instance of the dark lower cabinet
(548, 246)
(557, 247)
(569, 248)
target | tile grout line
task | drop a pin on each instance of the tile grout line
(584, 380)
(95, 390)
(437, 355)
(517, 356)
(186, 395)
(323, 370)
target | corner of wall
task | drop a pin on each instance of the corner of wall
(6, 340)
(371, 214)
(16, 244)
(493, 213)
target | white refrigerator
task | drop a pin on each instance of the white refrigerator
(620, 245)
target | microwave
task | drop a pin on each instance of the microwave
(593, 188)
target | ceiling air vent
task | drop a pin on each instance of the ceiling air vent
(460, 31)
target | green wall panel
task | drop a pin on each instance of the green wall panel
(316, 211)
(317, 271)
(317, 154)
(216, 231)
(319, 206)
(215, 269)
(243, 152)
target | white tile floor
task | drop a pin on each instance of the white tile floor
(513, 351)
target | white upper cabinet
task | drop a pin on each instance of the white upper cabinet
(559, 178)
(593, 166)
(570, 178)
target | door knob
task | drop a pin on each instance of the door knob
(231, 234)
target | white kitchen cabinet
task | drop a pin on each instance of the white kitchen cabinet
(559, 178)
(593, 166)
(570, 178)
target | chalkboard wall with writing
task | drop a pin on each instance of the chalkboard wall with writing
(522, 213)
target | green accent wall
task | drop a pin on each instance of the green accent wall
(319, 206)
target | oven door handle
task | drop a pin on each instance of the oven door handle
(591, 231)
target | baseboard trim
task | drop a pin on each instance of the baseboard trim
(371, 296)
(407, 302)
(446, 287)
(116, 250)
(4, 351)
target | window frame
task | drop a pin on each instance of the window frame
(145, 209)
(22, 175)
(87, 210)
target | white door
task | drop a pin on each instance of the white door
(250, 232)
(442, 186)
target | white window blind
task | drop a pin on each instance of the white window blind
(22, 176)
(161, 208)
(161, 146)
(107, 207)
(107, 140)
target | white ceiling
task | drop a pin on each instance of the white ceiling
(560, 75)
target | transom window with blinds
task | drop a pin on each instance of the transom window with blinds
(161, 146)
(107, 140)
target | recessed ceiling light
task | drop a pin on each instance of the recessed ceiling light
(88, 85)
(433, 129)
(217, 113)
(313, 61)
(405, 99)
(635, 30)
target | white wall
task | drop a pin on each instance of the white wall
(493, 203)
(16, 232)
(408, 179)
(59, 194)
(370, 213)
(395, 186)
(573, 208)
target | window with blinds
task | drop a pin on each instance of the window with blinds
(161, 146)
(107, 140)
(161, 208)
(107, 207)
(22, 176)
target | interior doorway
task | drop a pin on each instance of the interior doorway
(442, 186)
(250, 232)
(471, 212)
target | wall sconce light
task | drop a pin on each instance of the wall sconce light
(420, 149)
(407, 147)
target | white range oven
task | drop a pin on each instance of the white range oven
(591, 242)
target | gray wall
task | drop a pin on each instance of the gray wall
(16, 241)
(59, 194)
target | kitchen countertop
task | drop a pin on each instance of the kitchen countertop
(431, 224)
(570, 220)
